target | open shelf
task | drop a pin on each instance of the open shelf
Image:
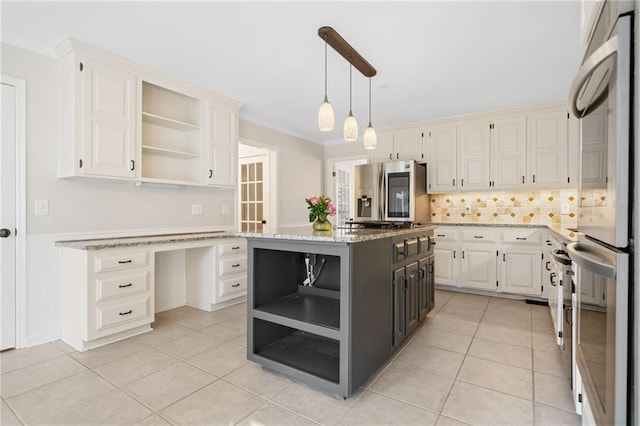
(169, 152)
(308, 352)
(320, 307)
(159, 120)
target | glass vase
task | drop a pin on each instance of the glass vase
(322, 225)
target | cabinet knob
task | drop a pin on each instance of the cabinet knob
(4, 233)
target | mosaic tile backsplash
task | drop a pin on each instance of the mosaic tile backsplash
(539, 207)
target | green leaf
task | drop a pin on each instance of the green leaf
(312, 217)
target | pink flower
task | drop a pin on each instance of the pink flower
(327, 199)
(313, 200)
(332, 210)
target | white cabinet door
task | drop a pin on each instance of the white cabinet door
(223, 146)
(108, 136)
(508, 141)
(591, 288)
(446, 264)
(547, 147)
(478, 267)
(443, 159)
(520, 271)
(384, 148)
(474, 156)
(407, 144)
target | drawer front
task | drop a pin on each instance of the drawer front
(480, 235)
(445, 234)
(232, 286)
(522, 236)
(232, 247)
(122, 285)
(121, 261)
(128, 311)
(232, 265)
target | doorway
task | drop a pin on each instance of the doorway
(257, 200)
(341, 186)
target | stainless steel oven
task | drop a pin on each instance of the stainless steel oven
(602, 98)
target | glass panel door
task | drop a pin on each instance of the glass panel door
(253, 211)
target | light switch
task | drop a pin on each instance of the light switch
(42, 207)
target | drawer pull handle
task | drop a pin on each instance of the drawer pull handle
(521, 238)
(235, 285)
(126, 313)
(440, 235)
(124, 261)
(235, 265)
(125, 286)
(235, 248)
(478, 236)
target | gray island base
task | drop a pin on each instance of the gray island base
(328, 309)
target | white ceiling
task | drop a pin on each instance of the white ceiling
(434, 59)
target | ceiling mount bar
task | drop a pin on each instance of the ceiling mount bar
(341, 46)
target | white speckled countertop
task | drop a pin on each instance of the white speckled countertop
(567, 235)
(337, 235)
(107, 243)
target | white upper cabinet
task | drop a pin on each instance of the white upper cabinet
(509, 152)
(474, 156)
(442, 161)
(223, 145)
(398, 145)
(384, 148)
(548, 149)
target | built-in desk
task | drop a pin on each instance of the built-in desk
(108, 286)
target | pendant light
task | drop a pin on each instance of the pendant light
(370, 139)
(325, 115)
(350, 124)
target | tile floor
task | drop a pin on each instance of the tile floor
(476, 360)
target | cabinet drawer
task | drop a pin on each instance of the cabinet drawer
(115, 262)
(445, 234)
(232, 286)
(232, 265)
(122, 285)
(232, 247)
(480, 235)
(129, 310)
(522, 236)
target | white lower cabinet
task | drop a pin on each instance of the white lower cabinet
(478, 267)
(446, 269)
(520, 271)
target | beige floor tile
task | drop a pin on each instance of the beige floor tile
(504, 335)
(416, 387)
(509, 304)
(135, 366)
(544, 342)
(499, 377)
(113, 408)
(446, 421)
(237, 310)
(540, 313)
(376, 409)
(508, 320)
(7, 417)
(57, 397)
(446, 322)
(64, 347)
(224, 332)
(178, 313)
(33, 376)
(554, 391)
(203, 319)
(167, 386)
(542, 327)
(154, 420)
(273, 415)
(190, 345)
(314, 404)
(221, 360)
(237, 325)
(104, 354)
(516, 356)
(470, 301)
(443, 340)
(460, 312)
(255, 379)
(164, 334)
(17, 358)
(555, 362)
(479, 406)
(219, 404)
(430, 359)
(242, 340)
(546, 415)
(442, 296)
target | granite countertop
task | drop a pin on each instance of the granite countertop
(565, 234)
(337, 235)
(106, 243)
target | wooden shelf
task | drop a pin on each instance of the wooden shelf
(159, 120)
(169, 152)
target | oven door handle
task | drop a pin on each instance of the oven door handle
(590, 261)
(589, 66)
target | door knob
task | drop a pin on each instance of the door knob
(4, 233)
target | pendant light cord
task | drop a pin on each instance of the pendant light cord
(325, 69)
(350, 68)
(369, 101)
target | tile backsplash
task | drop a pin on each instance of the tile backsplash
(539, 207)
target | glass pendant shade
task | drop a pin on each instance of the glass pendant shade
(350, 128)
(326, 118)
(370, 139)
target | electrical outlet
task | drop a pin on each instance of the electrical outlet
(196, 209)
(42, 207)
(467, 208)
(564, 208)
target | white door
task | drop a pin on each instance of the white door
(442, 157)
(508, 145)
(548, 149)
(222, 146)
(254, 193)
(521, 271)
(407, 145)
(474, 156)
(384, 148)
(478, 268)
(341, 188)
(8, 218)
(445, 268)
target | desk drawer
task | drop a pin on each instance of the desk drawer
(121, 285)
(134, 309)
(232, 265)
(115, 262)
(232, 247)
(231, 286)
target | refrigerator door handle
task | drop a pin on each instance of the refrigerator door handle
(591, 261)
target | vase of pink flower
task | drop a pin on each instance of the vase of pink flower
(319, 209)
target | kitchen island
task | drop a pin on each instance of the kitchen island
(328, 308)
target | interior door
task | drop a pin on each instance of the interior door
(8, 218)
(254, 185)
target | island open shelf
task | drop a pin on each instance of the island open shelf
(308, 305)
